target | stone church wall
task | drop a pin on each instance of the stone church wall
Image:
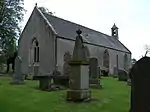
(37, 28)
(64, 45)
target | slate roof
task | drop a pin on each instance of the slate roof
(68, 29)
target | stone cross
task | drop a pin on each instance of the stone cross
(140, 81)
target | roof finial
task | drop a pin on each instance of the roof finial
(79, 31)
(114, 26)
(35, 4)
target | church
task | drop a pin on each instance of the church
(46, 38)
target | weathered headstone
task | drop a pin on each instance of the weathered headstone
(140, 81)
(94, 73)
(66, 66)
(18, 77)
(122, 75)
(115, 73)
(79, 76)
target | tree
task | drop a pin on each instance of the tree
(45, 10)
(147, 48)
(11, 14)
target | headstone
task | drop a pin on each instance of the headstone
(140, 81)
(115, 74)
(66, 66)
(122, 75)
(18, 77)
(94, 73)
(79, 76)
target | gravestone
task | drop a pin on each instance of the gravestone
(18, 77)
(79, 76)
(122, 75)
(94, 73)
(115, 73)
(140, 81)
(66, 66)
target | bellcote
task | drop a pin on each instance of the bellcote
(114, 31)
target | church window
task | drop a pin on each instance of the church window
(36, 50)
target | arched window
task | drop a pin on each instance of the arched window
(106, 59)
(35, 47)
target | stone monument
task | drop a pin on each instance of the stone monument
(18, 77)
(140, 81)
(94, 73)
(79, 76)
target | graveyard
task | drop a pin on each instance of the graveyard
(84, 87)
(113, 97)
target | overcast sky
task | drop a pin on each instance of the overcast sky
(132, 17)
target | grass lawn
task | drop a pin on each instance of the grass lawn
(114, 97)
